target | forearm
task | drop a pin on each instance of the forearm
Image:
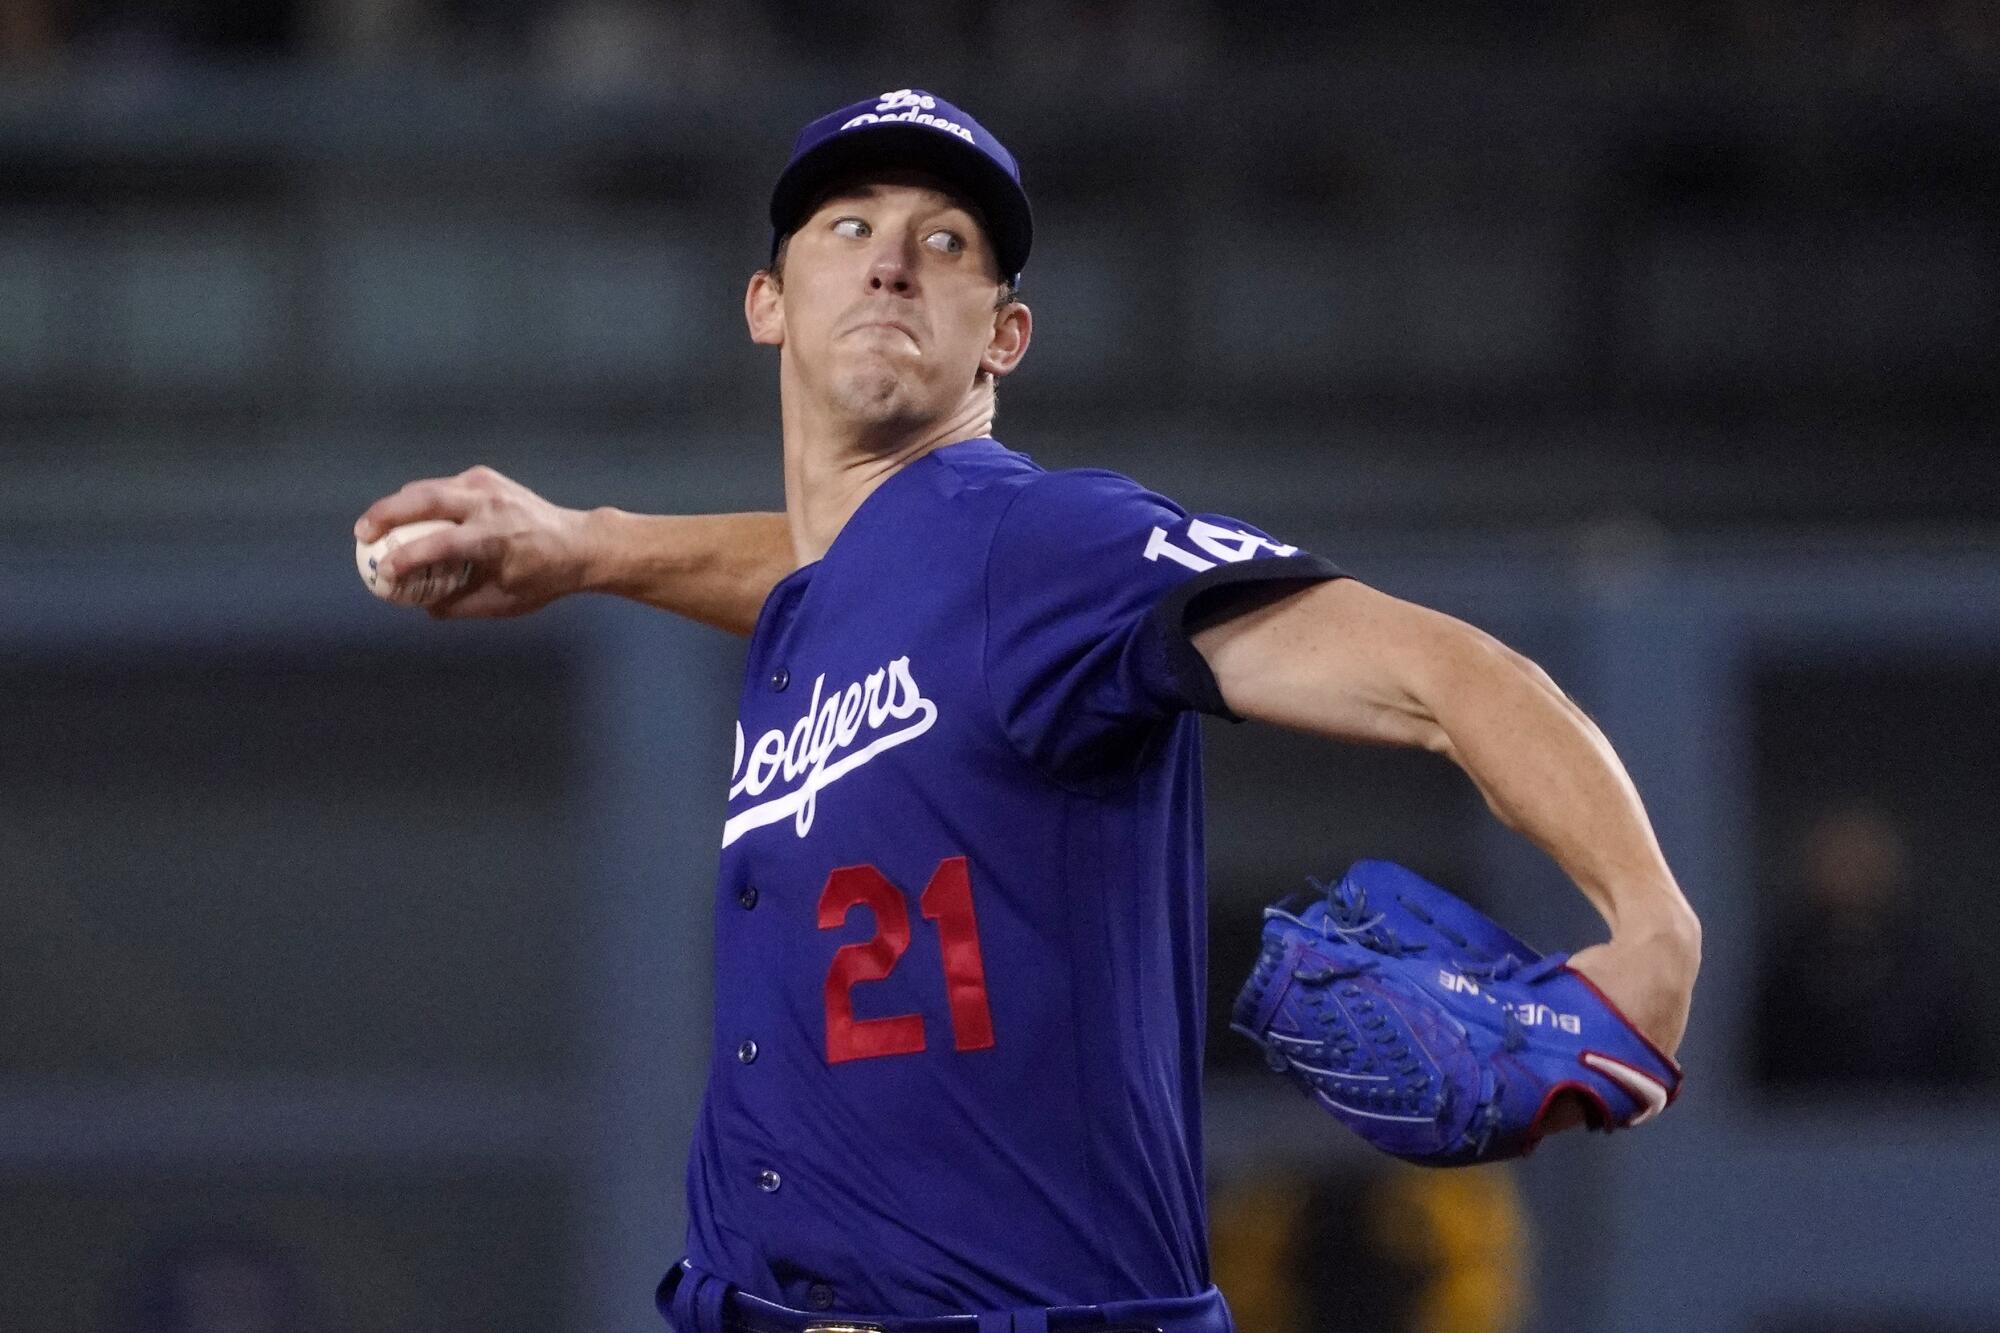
(1548, 772)
(714, 568)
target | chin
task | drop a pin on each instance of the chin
(876, 396)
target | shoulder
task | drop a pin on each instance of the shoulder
(986, 468)
(1093, 493)
(1007, 497)
(977, 467)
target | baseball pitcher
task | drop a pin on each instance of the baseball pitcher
(959, 911)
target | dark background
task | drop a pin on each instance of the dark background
(352, 968)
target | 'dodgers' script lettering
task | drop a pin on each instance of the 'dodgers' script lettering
(839, 732)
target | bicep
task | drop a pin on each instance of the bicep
(1342, 660)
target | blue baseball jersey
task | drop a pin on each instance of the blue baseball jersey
(960, 927)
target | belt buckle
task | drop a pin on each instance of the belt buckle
(843, 1328)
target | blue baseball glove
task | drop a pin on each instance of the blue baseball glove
(1432, 1032)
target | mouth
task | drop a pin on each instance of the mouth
(886, 325)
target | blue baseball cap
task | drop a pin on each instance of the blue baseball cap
(909, 128)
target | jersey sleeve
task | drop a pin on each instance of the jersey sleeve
(1094, 586)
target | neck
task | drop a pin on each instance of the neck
(831, 466)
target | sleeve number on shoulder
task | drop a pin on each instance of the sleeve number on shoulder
(1227, 546)
(946, 901)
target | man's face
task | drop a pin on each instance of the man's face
(889, 305)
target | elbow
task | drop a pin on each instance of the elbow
(1442, 667)
(1465, 670)
(1428, 734)
(1527, 667)
(1465, 661)
(1499, 666)
(1454, 670)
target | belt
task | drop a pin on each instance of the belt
(694, 1301)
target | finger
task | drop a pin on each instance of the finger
(427, 584)
(479, 601)
(433, 497)
(447, 548)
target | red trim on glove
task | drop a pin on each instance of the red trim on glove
(1602, 1121)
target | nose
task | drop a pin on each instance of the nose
(893, 267)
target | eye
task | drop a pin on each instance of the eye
(854, 227)
(946, 242)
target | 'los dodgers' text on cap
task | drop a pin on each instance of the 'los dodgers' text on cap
(909, 128)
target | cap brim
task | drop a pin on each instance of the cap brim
(889, 146)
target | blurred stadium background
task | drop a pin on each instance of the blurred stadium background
(353, 969)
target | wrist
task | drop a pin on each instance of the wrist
(593, 548)
(1671, 932)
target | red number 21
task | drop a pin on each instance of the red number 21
(946, 900)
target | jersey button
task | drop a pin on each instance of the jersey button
(820, 1296)
(780, 678)
(768, 1181)
(747, 895)
(747, 1052)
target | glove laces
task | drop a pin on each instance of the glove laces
(1349, 916)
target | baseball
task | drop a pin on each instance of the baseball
(417, 587)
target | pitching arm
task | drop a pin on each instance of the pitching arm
(525, 552)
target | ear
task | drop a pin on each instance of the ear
(1013, 323)
(764, 310)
